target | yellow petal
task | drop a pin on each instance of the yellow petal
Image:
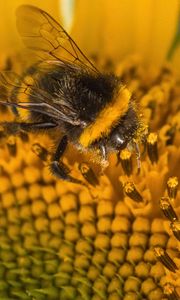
(116, 28)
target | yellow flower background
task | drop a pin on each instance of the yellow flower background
(118, 239)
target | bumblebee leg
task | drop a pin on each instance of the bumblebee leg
(118, 158)
(103, 150)
(15, 127)
(58, 168)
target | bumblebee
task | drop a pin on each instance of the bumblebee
(65, 92)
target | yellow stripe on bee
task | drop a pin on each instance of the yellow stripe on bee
(106, 119)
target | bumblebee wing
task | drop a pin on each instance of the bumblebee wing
(33, 98)
(40, 32)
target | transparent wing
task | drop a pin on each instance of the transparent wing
(38, 100)
(40, 32)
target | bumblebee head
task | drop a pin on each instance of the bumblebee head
(124, 132)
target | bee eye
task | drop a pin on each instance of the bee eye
(83, 124)
(118, 141)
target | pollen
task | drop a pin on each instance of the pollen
(132, 192)
(172, 187)
(167, 209)
(126, 161)
(152, 147)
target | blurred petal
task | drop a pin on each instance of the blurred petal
(67, 10)
(117, 28)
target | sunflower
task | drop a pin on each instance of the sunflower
(117, 236)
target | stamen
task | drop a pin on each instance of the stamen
(11, 143)
(165, 259)
(88, 174)
(172, 187)
(170, 292)
(175, 226)
(170, 134)
(152, 147)
(40, 151)
(24, 136)
(167, 209)
(126, 161)
(131, 191)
